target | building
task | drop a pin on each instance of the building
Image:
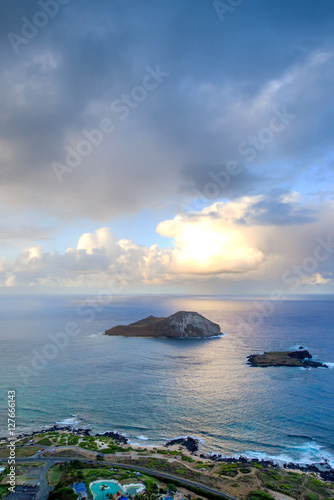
(81, 490)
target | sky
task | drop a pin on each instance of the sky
(162, 146)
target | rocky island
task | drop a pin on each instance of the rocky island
(284, 358)
(179, 325)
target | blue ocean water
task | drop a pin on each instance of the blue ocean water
(155, 389)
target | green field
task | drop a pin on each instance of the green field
(54, 475)
(25, 451)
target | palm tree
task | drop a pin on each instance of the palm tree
(103, 487)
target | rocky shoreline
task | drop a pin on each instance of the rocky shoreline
(192, 445)
(323, 468)
(300, 358)
(116, 436)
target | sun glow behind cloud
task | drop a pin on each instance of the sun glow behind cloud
(228, 241)
(212, 242)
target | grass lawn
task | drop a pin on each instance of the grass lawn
(148, 480)
(3, 489)
(71, 453)
(53, 475)
(20, 452)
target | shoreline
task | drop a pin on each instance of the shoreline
(188, 445)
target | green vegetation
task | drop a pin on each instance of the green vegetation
(62, 494)
(186, 458)
(54, 475)
(294, 484)
(238, 479)
(230, 470)
(150, 482)
(20, 452)
(73, 440)
(3, 490)
(91, 446)
(316, 486)
(113, 448)
(260, 495)
(45, 442)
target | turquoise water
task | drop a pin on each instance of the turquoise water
(132, 489)
(156, 389)
(112, 488)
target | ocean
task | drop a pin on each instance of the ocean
(157, 389)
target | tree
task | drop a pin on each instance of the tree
(172, 487)
(62, 494)
(103, 487)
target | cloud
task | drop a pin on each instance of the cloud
(101, 239)
(227, 83)
(16, 234)
(228, 241)
(214, 98)
(211, 241)
(316, 279)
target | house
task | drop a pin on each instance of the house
(81, 490)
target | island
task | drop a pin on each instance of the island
(284, 358)
(182, 324)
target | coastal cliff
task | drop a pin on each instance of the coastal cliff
(179, 325)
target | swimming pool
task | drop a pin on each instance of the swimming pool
(112, 487)
(132, 489)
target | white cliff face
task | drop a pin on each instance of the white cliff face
(189, 324)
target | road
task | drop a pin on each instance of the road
(50, 461)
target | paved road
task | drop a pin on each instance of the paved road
(44, 489)
(50, 461)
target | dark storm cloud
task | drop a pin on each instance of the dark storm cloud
(215, 97)
(275, 212)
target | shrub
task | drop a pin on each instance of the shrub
(63, 494)
(259, 495)
(45, 441)
(229, 473)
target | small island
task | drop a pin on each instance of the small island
(284, 358)
(179, 325)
